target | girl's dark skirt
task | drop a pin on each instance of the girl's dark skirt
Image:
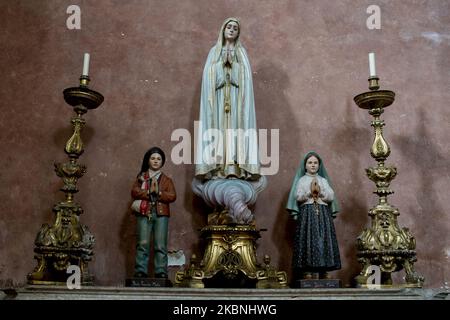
(315, 243)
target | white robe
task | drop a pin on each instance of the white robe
(227, 143)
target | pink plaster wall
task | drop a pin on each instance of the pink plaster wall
(309, 60)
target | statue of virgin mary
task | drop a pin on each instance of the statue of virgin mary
(227, 143)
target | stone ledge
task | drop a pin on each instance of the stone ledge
(125, 293)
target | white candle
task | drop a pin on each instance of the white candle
(86, 64)
(372, 70)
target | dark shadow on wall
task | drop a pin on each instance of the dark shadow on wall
(128, 239)
(285, 234)
(194, 205)
(353, 140)
(273, 111)
(429, 214)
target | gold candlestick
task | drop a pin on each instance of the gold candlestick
(67, 242)
(384, 243)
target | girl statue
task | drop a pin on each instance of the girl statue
(227, 143)
(313, 206)
(152, 192)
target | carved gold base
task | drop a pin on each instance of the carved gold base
(389, 261)
(52, 269)
(61, 245)
(230, 261)
(387, 246)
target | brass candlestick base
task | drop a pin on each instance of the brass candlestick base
(230, 261)
(384, 243)
(67, 242)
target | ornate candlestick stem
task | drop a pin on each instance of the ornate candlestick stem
(384, 243)
(67, 242)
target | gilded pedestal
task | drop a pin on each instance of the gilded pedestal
(384, 243)
(230, 261)
(67, 242)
